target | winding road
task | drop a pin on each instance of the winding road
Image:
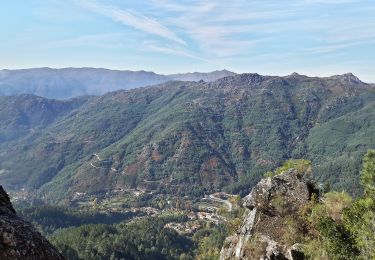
(100, 160)
(226, 202)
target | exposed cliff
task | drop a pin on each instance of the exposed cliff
(271, 228)
(19, 239)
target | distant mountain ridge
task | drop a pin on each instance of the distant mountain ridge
(72, 82)
(187, 137)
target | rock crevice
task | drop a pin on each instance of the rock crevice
(273, 209)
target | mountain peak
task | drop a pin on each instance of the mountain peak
(251, 78)
(241, 79)
(347, 78)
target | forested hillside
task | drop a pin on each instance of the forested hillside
(24, 114)
(287, 215)
(191, 138)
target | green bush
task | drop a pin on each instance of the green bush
(360, 218)
(337, 240)
(300, 165)
(336, 202)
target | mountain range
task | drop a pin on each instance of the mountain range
(72, 82)
(187, 138)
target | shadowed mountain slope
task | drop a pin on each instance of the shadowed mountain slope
(73, 82)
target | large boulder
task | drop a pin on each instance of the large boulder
(272, 226)
(19, 239)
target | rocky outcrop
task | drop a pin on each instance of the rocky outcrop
(271, 228)
(19, 239)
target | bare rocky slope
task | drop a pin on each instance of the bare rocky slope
(272, 206)
(19, 239)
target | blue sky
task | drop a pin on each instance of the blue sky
(274, 37)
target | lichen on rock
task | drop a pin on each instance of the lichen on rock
(271, 227)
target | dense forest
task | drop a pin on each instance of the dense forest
(143, 238)
(334, 226)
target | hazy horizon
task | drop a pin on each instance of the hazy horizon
(182, 72)
(310, 37)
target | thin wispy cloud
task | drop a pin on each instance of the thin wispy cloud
(331, 2)
(329, 48)
(231, 28)
(173, 50)
(197, 7)
(133, 19)
(106, 40)
(359, 32)
(177, 35)
(211, 30)
(207, 24)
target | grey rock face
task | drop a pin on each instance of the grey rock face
(347, 78)
(19, 239)
(5, 206)
(271, 203)
(288, 186)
